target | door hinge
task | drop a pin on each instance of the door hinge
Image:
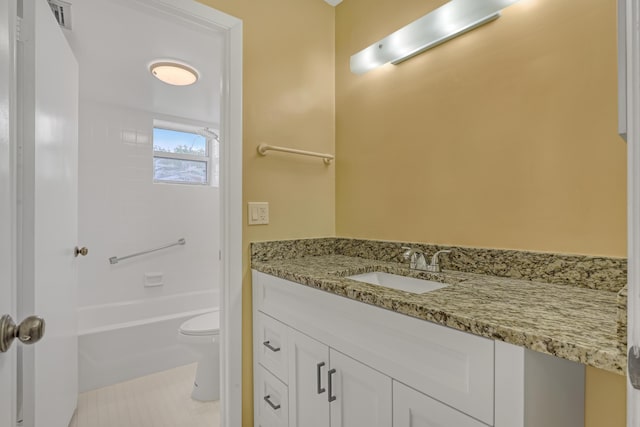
(633, 366)
(219, 255)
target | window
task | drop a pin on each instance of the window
(184, 154)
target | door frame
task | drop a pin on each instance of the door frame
(8, 289)
(230, 197)
(633, 195)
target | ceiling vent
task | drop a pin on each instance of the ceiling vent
(62, 11)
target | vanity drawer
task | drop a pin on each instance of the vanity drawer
(271, 400)
(271, 345)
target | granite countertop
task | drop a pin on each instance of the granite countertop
(571, 322)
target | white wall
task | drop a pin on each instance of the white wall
(122, 211)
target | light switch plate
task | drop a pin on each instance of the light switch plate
(258, 213)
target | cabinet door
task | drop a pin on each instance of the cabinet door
(414, 409)
(308, 366)
(362, 394)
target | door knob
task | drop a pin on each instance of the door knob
(81, 251)
(30, 331)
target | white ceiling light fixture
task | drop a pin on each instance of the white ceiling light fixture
(444, 23)
(174, 73)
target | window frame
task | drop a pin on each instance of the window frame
(185, 128)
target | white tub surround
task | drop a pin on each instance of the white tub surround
(122, 341)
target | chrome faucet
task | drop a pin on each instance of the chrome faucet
(417, 260)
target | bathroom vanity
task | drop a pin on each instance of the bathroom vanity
(331, 351)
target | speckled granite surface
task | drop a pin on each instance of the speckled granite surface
(577, 270)
(572, 322)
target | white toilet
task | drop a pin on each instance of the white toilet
(201, 333)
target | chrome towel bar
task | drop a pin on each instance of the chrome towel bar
(263, 148)
(115, 259)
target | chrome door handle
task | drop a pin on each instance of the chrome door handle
(80, 251)
(30, 331)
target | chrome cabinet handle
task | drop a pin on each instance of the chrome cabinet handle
(319, 369)
(267, 399)
(270, 347)
(331, 397)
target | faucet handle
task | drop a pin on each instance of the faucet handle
(409, 252)
(434, 258)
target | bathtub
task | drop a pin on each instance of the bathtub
(121, 341)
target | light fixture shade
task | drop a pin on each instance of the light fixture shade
(438, 26)
(174, 73)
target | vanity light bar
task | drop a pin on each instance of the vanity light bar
(444, 23)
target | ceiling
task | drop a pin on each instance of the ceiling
(114, 42)
(333, 2)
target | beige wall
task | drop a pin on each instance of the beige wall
(502, 138)
(288, 99)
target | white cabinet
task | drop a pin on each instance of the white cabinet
(327, 388)
(414, 409)
(308, 370)
(388, 369)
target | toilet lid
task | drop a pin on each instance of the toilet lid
(206, 324)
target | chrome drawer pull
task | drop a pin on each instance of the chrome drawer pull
(270, 347)
(331, 397)
(320, 388)
(267, 399)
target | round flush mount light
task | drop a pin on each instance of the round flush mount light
(174, 73)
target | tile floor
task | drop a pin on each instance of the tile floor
(158, 400)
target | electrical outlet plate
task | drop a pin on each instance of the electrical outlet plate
(258, 213)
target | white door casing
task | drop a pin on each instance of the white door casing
(47, 212)
(230, 198)
(7, 239)
(633, 195)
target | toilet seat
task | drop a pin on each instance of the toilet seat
(207, 324)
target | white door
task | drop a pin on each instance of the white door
(7, 300)
(47, 214)
(361, 396)
(308, 395)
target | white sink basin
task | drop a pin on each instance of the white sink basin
(401, 283)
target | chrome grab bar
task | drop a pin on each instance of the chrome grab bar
(115, 259)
